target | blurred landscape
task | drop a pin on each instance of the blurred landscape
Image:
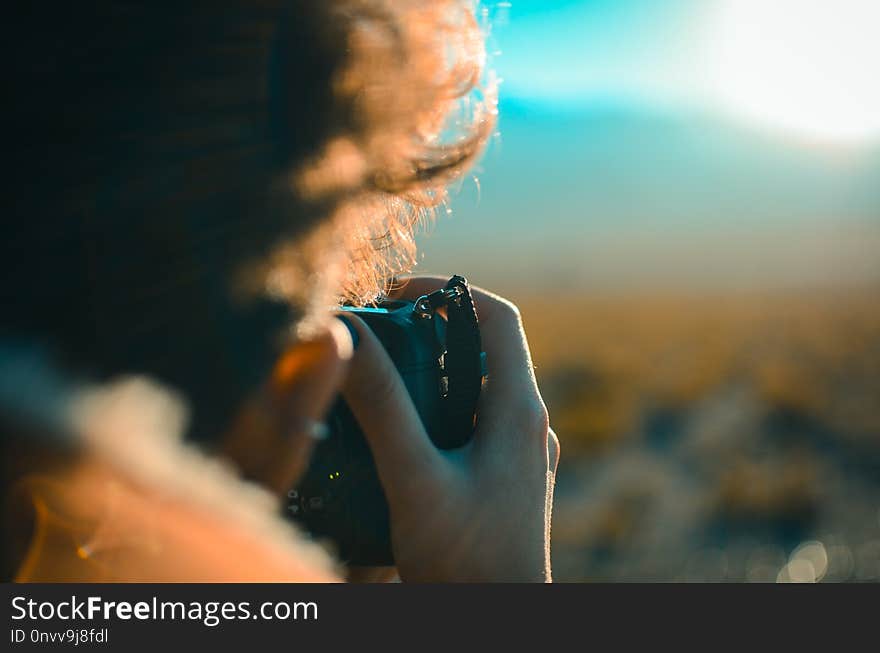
(725, 437)
(684, 200)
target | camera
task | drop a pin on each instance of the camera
(340, 496)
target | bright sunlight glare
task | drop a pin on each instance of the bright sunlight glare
(806, 66)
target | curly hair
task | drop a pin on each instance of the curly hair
(415, 113)
(176, 169)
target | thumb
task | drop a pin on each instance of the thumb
(274, 434)
(382, 406)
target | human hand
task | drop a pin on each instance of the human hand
(481, 512)
(274, 433)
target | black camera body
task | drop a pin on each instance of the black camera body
(340, 496)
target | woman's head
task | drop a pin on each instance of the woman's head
(183, 176)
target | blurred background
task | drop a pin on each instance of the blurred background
(684, 199)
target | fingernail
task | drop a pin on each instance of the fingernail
(355, 337)
(309, 428)
(318, 430)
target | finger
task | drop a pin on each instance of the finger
(275, 433)
(553, 451)
(504, 338)
(411, 287)
(511, 396)
(385, 412)
(304, 385)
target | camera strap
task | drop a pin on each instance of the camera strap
(464, 362)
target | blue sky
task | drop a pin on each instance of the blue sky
(585, 49)
(615, 164)
(809, 64)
